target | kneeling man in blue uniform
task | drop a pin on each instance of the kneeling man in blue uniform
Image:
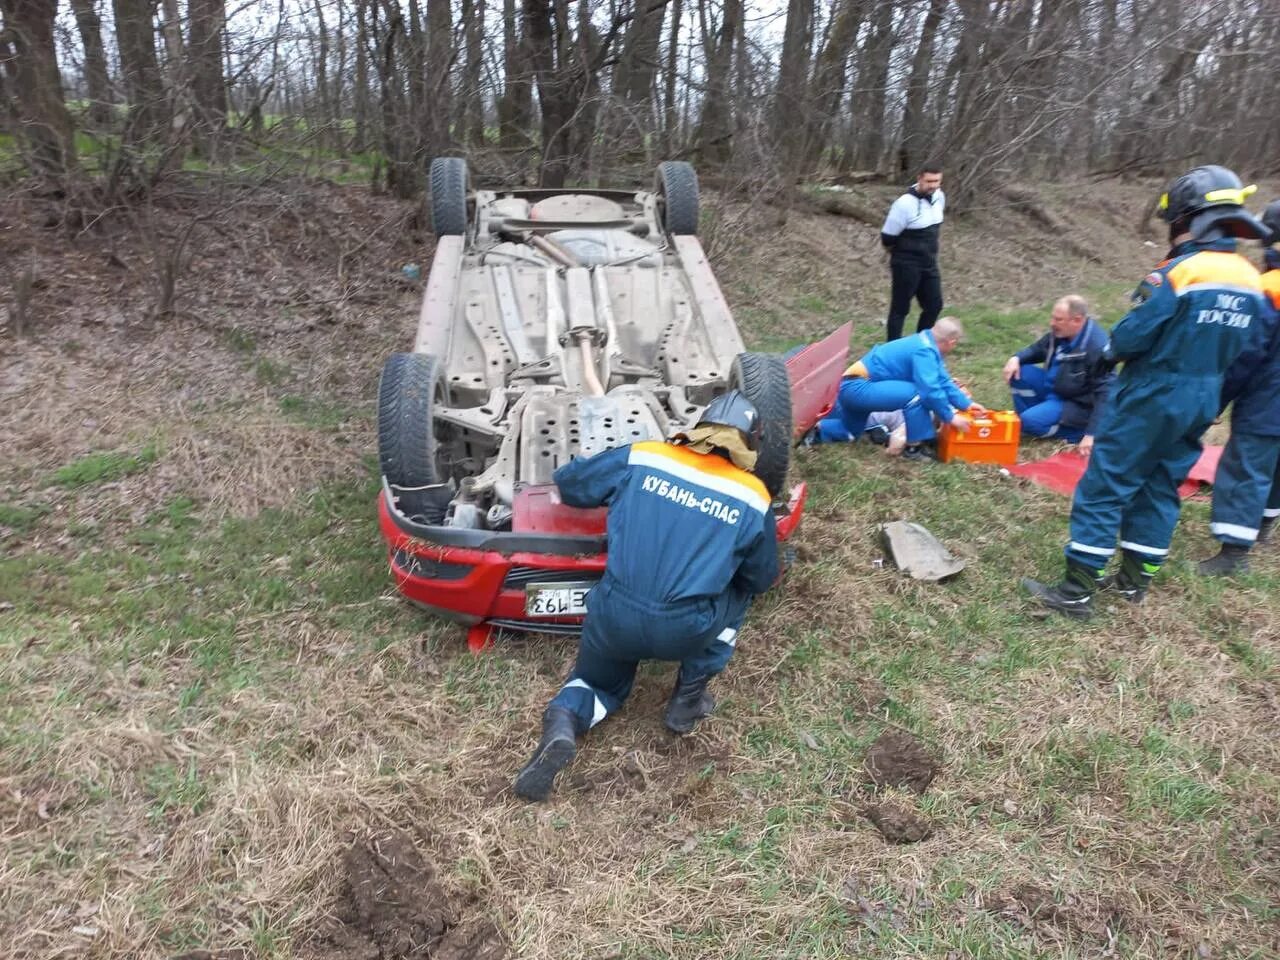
(692, 540)
(908, 374)
(1060, 382)
(1190, 319)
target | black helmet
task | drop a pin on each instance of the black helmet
(1210, 197)
(732, 409)
(1271, 220)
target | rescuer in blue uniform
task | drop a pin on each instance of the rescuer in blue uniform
(1191, 317)
(908, 374)
(1246, 489)
(692, 540)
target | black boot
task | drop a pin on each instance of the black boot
(689, 703)
(1073, 597)
(1264, 530)
(554, 751)
(1132, 579)
(1230, 560)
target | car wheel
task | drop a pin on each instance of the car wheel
(762, 378)
(449, 183)
(409, 449)
(677, 188)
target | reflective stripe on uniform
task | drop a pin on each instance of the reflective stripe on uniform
(597, 711)
(1233, 530)
(1096, 551)
(1143, 548)
(721, 484)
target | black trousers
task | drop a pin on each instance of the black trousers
(918, 279)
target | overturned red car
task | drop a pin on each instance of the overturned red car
(556, 324)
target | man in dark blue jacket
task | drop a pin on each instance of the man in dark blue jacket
(1191, 317)
(1062, 399)
(692, 540)
(1246, 489)
(908, 374)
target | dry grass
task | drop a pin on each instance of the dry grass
(209, 689)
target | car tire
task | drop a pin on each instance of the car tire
(449, 183)
(677, 188)
(762, 378)
(408, 448)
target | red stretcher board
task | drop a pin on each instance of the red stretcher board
(1061, 472)
(815, 374)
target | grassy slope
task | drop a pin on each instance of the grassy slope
(198, 709)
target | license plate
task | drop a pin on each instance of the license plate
(556, 599)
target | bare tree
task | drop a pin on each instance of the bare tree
(96, 79)
(42, 114)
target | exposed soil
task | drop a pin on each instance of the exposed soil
(897, 759)
(392, 907)
(898, 823)
(1076, 917)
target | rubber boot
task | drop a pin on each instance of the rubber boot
(1073, 597)
(1132, 579)
(1264, 529)
(1230, 560)
(919, 451)
(689, 703)
(553, 753)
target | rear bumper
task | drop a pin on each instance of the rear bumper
(474, 576)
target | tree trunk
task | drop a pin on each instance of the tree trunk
(793, 81)
(671, 116)
(914, 144)
(144, 86)
(472, 127)
(545, 27)
(436, 105)
(515, 109)
(325, 113)
(44, 121)
(97, 82)
(715, 126)
(206, 39)
(638, 61)
(829, 76)
(873, 82)
(360, 98)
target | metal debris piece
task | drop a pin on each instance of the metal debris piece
(918, 553)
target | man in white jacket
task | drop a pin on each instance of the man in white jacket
(910, 234)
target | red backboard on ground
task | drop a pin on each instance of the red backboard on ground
(1062, 471)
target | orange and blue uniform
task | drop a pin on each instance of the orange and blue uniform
(692, 539)
(1246, 489)
(1190, 319)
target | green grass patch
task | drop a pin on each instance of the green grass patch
(104, 467)
(20, 518)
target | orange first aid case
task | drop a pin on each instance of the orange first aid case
(991, 439)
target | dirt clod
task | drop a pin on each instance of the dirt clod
(899, 824)
(897, 759)
(1069, 917)
(394, 897)
(392, 907)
